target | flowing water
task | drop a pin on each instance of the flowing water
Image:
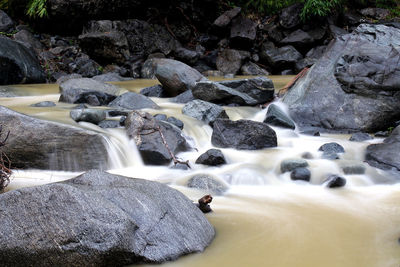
(265, 219)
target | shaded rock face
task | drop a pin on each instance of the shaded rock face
(212, 157)
(208, 183)
(251, 68)
(131, 100)
(243, 134)
(145, 131)
(6, 23)
(243, 32)
(94, 116)
(230, 61)
(282, 57)
(335, 181)
(225, 19)
(204, 111)
(39, 144)
(18, 64)
(27, 38)
(100, 219)
(354, 86)
(290, 16)
(275, 116)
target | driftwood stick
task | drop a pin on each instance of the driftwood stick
(164, 141)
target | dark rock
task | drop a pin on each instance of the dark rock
(6, 23)
(304, 63)
(375, 13)
(382, 134)
(204, 203)
(178, 123)
(208, 183)
(88, 115)
(161, 117)
(26, 37)
(289, 165)
(335, 181)
(302, 174)
(351, 19)
(225, 19)
(39, 144)
(117, 113)
(243, 134)
(243, 32)
(289, 17)
(65, 78)
(318, 33)
(109, 124)
(331, 147)
(186, 55)
(89, 91)
(251, 68)
(154, 91)
(100, 219)
(359, 137)
(85, 66)
(18, 64)
(212, 157)
(131, 100)
(312, 132)
(316, 52)
(44, 104)
(335, 31)
(307, 155)
(176, 77)
(143, 129)
(274, 32)
(299, 39)
(122, 120)
(287, 72)
(275, 116)
(184, 97)
(147, 71)
(283, 57)
(230, 60)
(259, 88)
(204, 111)
(353, 87)
(110, 77)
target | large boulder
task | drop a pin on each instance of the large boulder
(279, 58)
(39, 144)
(229, 61)
(354, 86)
(151, 137)
(243, 134)
(132, 100)
(18, 64)
(99, 219)
(204, 111)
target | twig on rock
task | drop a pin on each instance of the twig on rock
(300, 75)
(176, 161)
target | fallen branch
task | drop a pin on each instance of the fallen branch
(300, 75)
(176, 161)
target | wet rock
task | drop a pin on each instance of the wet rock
(212, 157)
(353, 168)
(6, 23)
(275, 116)
(336, 32)
(180, 166)
(289, 165)
(186, 55)
(144, 130)
(289, 17)
(375, 13)
(243, 32)
(204, 111)
(85, 66)
(160, 117)
(299, 39)
(88, 115)
(243, 134)
(40, 144)
(175, 77)
(357, 78)
(44, 104)
(178, 123)
(26, 37)
(184, 97)
(148, 67)
(208, 183)
(225, 19)
(110, 77)
(382, 134)
(331, 147)
(330, 155)
(109, 124)
(281, 58)
(230, 60)
(131, 100)
(19, 64)
(135, 214)
(154, 91)
(65, 78)
(302, 174)
(335, 181)
(89, 91)
(251, 68)
(360, 137)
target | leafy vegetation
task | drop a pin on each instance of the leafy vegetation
(35, 8)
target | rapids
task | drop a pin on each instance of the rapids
(265, 219)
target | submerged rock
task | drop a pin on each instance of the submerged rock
(44, 104)
(289, 165)
(131, 100)
(208, 183)
(303, 174)
(204, 111)
(99, 219)
(335, 181)
(212, 157)
(94, 116)
(360, 137)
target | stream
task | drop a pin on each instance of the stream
(265, 218)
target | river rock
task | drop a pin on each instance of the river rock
(44, 104)
(331, 147)
(204, 111)
(131, 100)
(302, 174)
(183, 98)
(27, 38)
(40, 144)
(109, 124)
(275, 116)
(6, 23)
(289, 165)
(353, 168)
(299, 39)
(20, 64)
(243, 32)
(212, 157)
(281, 58)
(186, 55)
(154, 91)
(290, 16)
(175, 76)
(225, 19)
(358, 78)
(208, 183)
(88, 115)
(178, 123)
(375, 13)
(335, 181)
(87, 90)
(108, 220)
(110, 77)
(143, 129)
(229, 61)
(251, 68)
(360, 137)
(243, 134)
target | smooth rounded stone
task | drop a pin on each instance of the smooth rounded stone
(20, 64)
(154, 91)
(144, 129)
(290, 16)
(275, 116)
(99, 219)
(109, 124)
(183, 98)
(303, 174)
(41, 144)
(160, 117)
(208, 183)
(331, 147)
(27, 38)
(175, 76)
(44, 104)
(212, 157)
(110, 77)
(229, 61)
(178, 123)
(335, 181)
(360, 137)
(353, 168)
(88, 115)
(204, 111)
(131, 100)
(6, 23)
(251, 68)
(147, 70)
(225, 19)
(289, 165)
(243, 134)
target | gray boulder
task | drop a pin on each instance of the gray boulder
(243, 32)
(243, 134)
(299, 39)
(6, 23)
(360, 137)
(20, 64)
(208, 183)
(289, 165)
(282, 57)
(94, 116)
(184, 97)
(212, 157)
(354, 86)
(154, 91)
(275, 116)
(131, 100)
(225, 19)
(335, 181)
(251, 68)
(39, 144)
(27, 38)
(204, 111)
(229, 61)
(100, 219)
